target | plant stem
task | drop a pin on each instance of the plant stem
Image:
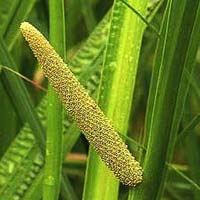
(53, 165)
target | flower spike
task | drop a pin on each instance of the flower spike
(83, 109)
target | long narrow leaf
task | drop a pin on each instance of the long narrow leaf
(168, 92)
(116, 89)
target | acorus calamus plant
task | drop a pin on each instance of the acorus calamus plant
(90, 119)
(141, 64)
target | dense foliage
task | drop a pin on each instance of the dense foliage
(139, 60)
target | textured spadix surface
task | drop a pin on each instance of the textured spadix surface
(83, 109)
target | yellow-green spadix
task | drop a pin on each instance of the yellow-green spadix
(83, 109)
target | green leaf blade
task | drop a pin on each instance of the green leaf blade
(116, 89)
